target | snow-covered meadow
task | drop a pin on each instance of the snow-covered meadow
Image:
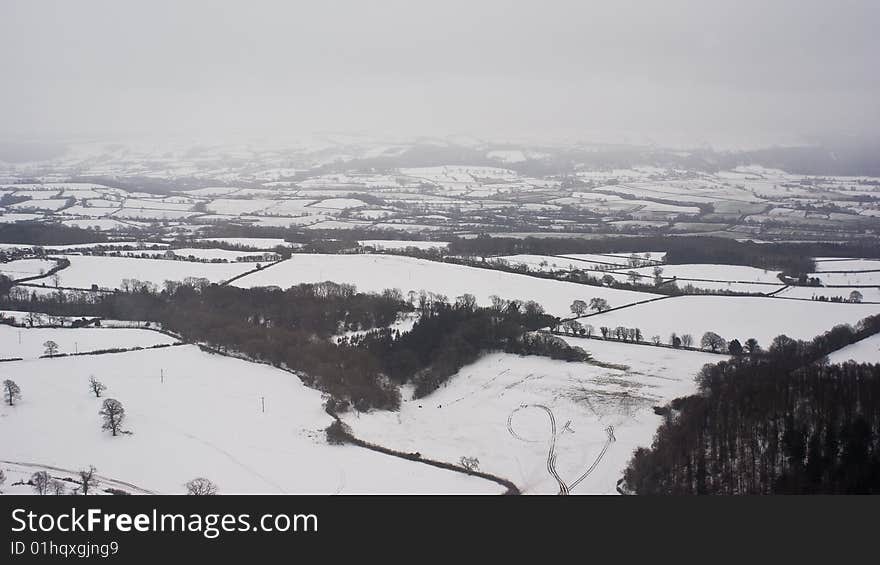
(739, 317)
(468, 416)
(374, 273)
(108, 272)
(28, 343)
(193, 414)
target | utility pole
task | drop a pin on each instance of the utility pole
(162, 376)
(263, 403)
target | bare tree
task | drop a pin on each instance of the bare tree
(57, 487)
(470, 463)
(40, 482)
(113, 414)
(87, 480)
(687, 340)
(658, 276)
(34, 319)
(467, 302)
(96, 386)
(599, 304)
(201, 486)
(632, 277)
(855, 296)
(751, 345)
(655, 339)
(578, 307)
(713, 341)
(11, 392)
(588, 330)
(51, 348)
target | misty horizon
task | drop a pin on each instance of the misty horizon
(681, 74)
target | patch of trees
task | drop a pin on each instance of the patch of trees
(47, 234)
(450, 336)
(778, 421)
(291, 329)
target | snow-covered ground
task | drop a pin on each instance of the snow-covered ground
(374, 273)
(23, 268)
(831, 264)
(402, 244)
(27, 343)
(732, 273)
(468, 417)
(864, 351)
(262, 243)
(108, 272)
(203, 419)
(738, 317)
(870, 278)
(869, 294)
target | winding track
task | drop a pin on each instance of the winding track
(564, 488)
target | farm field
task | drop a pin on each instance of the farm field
(374, 273)
(855, 278)
(704, 272)
(402, 244)
(734, 317)
(469, 415)
(28, 342)
(864, 351)
(869, 294)
(23, 268)
(108, 272)
(200, 421)
(835, 264)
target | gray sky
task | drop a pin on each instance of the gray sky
(712, 71)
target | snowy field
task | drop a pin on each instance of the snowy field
(374, 273)
(261, 243)
(864, 351)
(27, 343)
(402, 244)
(869, 294)
(23, 268)
(596, 258)
(469, 415)
(205, 419)
(211, 254)
(731, 317)
(829, 264)
(108, 272)
(731, 273)
(871, 278)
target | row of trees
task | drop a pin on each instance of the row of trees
(86, 482)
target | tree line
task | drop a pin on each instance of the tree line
(773, 422)
(293, 329)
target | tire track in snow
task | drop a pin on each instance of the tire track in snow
(564, 488)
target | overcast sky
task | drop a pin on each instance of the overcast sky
(703, 71)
